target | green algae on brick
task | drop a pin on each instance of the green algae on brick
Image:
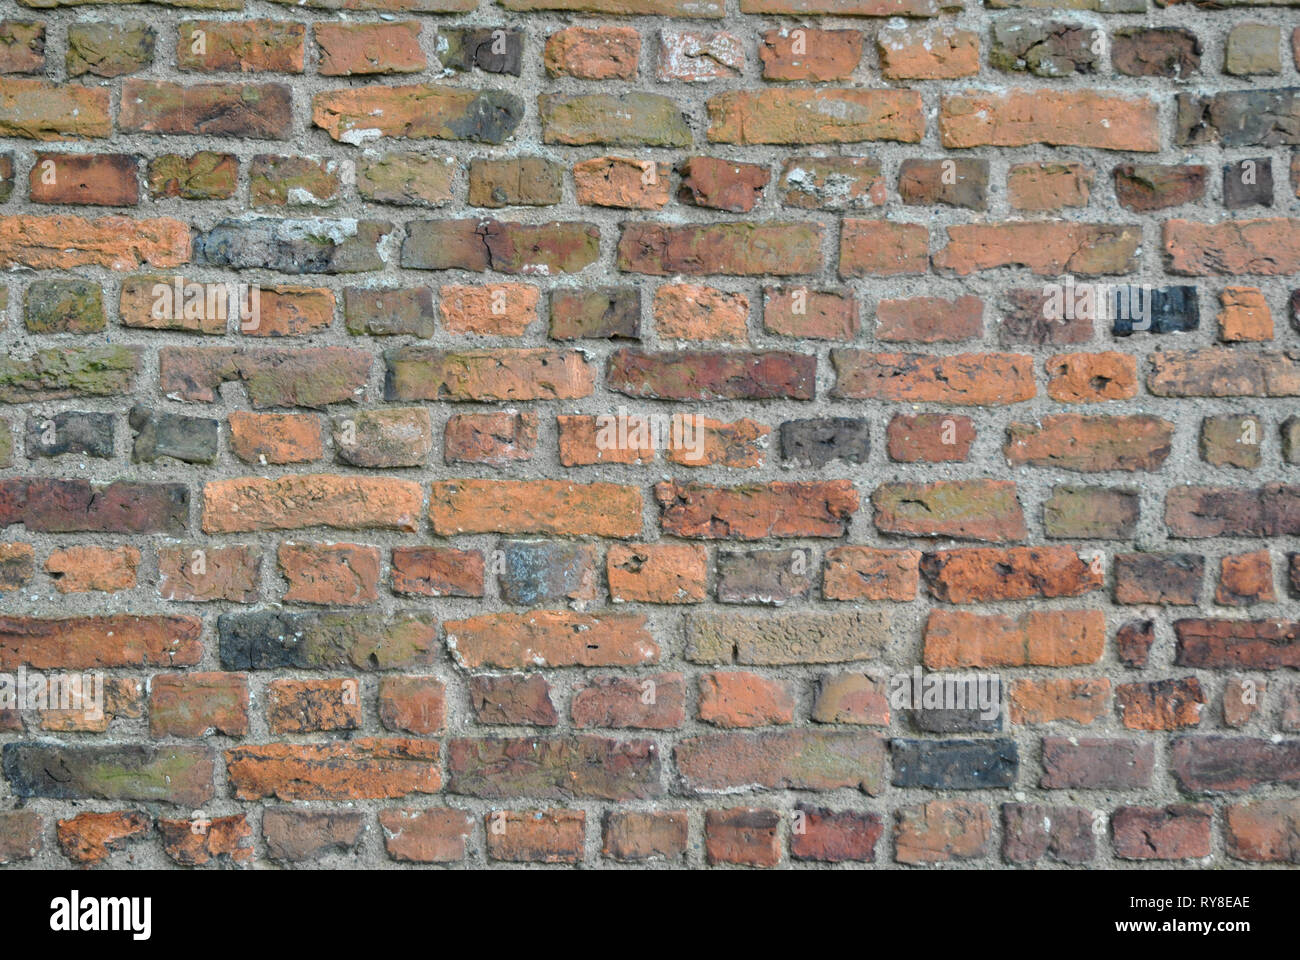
(407, 179)
(294, 181)
(204, 176)
(55, 374)
(309, 377)
(109, 49)
(326, 641)
(1091, 513)
(64, 306)
(171, 774)
(630, 119)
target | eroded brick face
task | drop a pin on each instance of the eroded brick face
(545, 432)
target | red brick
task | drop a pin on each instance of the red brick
(824, 115)
(436, 835)
(1160, 704)
(782, 760)
(1081, 701)
(1242, 698)
(622, 182)
(713, 375)
(21, 835)
(1064, 118)
(313, 706)
(1238, 644)
(942, 831)
(1039, 187)
(202, 573)
(310, 500)
(925, 52)
(929, 438)
(351, 49)
(94, 179)
(1091, 444)
(1055, 638)
(39, 110)
(603, 53)
(294, 835)
(983, 574)
(1077, 763)
(342, 574)
(1032, 831)
(986, 510)
(867, 573)
(587, 440)
(1232, 248)
(99, 642)
(1245, 315)
(880, 248)
(1245, 579)
(199, 841)
(89, 838)
(1264, 831)
(303, 377)
(633, 836)
(64, 242)
(740, 699)
(495, 439)
(1158, 578)
(692, 312)
(807, 54)
(437, 572)
(1044, 248)
(743, 835)
(499, 310)
(810, 314)
(721, 184)
(24, 47)
(357, 114)
(740, 249)
(416, 705)
(853, 698)
(365, 768)
(93, 569)
(966, 379)
(819, 509)
(834, 836)
(535, 506)
(512, 700)
(655, 702)
(697, 441)
(657, 573)
(486, 376)
(930, 319)
(550, 638)
(694, 56)
(192, 704)
(1091, 377)
(536, 836)
(1177, 832)
(241, 46)
(276, 437)
(260, 111)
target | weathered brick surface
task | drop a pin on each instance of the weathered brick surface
(549, 432)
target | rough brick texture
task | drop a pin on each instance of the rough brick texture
(546, 432)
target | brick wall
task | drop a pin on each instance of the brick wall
(563, 431)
